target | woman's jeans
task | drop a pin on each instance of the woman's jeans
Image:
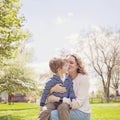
(74, 115)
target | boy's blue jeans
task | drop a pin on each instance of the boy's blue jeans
(74, 115)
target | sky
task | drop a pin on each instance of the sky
(56, 24)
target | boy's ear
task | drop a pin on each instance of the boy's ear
(59, 70)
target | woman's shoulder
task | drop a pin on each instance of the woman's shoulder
(83, 77)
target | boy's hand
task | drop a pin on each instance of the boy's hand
(66, 100)
(43, 108)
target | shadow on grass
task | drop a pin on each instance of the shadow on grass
(16, 109)
(9, 117)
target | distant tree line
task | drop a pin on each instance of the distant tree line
(100, 49)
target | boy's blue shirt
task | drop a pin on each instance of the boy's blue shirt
(68, 84)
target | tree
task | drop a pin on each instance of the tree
(116, 79)
(102, 47)
(11, 31)
(15, 75)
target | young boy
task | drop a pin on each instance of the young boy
(59, 67)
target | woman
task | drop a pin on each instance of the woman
(80, 109)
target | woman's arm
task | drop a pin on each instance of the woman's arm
(52, 98)
(82, 93)
(57, 88)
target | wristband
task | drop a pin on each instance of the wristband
(61, 100)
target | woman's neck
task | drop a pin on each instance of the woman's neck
(73, 75)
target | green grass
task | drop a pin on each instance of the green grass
(19, 111)
(104, 111)
(29, 111)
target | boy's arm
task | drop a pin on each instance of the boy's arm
(46, 92)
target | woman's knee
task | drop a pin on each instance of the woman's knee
(54, 115)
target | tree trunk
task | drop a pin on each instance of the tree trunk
(117, 92)
(106, 91)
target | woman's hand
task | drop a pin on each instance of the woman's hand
(58, 88)
(74, 104)
(52, 98)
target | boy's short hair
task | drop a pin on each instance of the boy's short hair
(55, 64)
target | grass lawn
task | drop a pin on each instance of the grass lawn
(19, 111)
(29, 111)
(103, 111)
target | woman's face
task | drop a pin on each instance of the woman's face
(72, 65)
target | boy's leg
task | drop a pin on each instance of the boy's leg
(45, 115)
(63, 111)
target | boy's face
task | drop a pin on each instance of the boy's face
(65, 68)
